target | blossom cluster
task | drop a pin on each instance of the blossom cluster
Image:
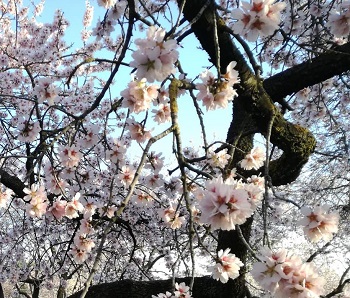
(257, 18)
(139, 96)
(37, 200)
(339, 20)
(254, 159)
(171, 217)
(318, 224)
(5, 196)
(227, 266)
(155, 57)
(216, 93)
(181, 291)
(285, 275)
(228, 203)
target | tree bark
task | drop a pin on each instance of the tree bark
(204, 287)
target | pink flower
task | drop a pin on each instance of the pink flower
(106, 3)
(286, 275)
(70, 156)
(227, 267)
(58, 208)
(259, 17)
(117, 152)
(253, 160)
(142, 198)
(83, 243)
(28, 131)
(138, 131)
(154, 59)
(5, 197)
(216, 93)
(339, 21)
(171, 217)
(126, 176)
(139, 96)
(223, 206)
(73, 207)
(79, 256)
(162, 114)
(318, 224)
(218, 160)
(45, 90)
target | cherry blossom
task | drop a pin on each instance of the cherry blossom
(155, 57)
(28, 131)
(318, 224)
(70, 156)
(37, 206)
(106, 3)
(285, 275)
(253, 160)
(223, 206)
(67, 131)
(181, 291)
(257, 18)
(227, 267)
(139, 96)
(216, 93)
(5, 196)
(58, 208)
(171, 217)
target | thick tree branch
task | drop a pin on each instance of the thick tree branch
(12, 182)
(204, 287)
(327, 65)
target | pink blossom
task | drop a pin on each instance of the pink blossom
(28, 131)
(126, 176)
(5, 197)
(257, 18)
(154, 59)
(70, 156)
(318, 224)
(138, 131)
(227, 267)
(45, 90)
(83, 243)
(253, 160)
(162, 114)
(171, 217)
(117, 151)
(38, 200)
(218, 160)
(142, 198)
(215, 93)
(139, 96)
(285, 275)
(73, 207)
(106, 3)
(223, 206)
(58, 208)
(79, 256)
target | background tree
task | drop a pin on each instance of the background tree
(77, 211)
